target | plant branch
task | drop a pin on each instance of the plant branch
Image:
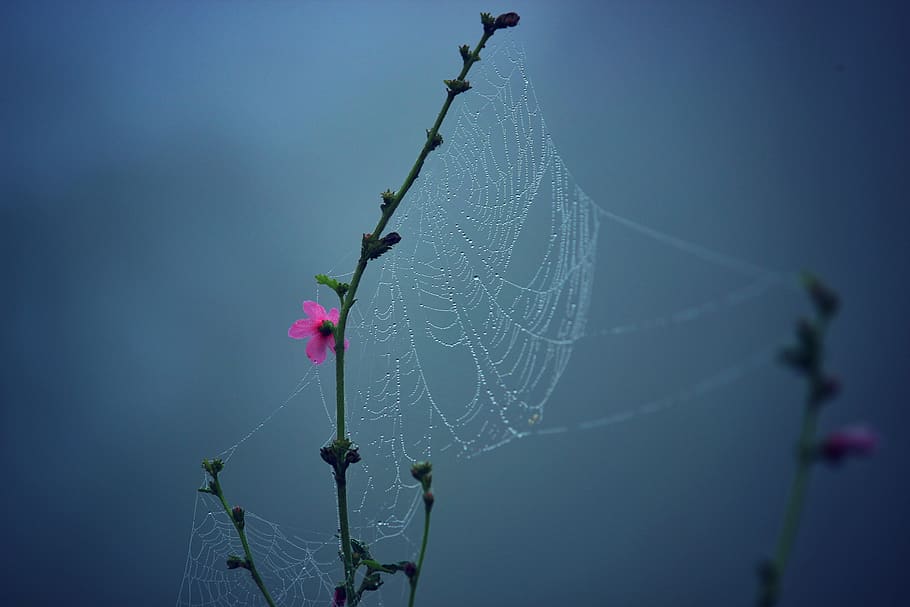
(806, 357)
(237, 516)
(368, 251)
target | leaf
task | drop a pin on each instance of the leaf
(339, 287)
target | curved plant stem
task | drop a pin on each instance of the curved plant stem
(250, 564)
(347, 301)
(795, 503)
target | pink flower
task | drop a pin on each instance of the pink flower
(854, 440)
(319, 328)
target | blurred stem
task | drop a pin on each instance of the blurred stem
(795, 505)
(774, 569)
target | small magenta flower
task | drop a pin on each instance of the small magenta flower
(319, 328)
(851, 441)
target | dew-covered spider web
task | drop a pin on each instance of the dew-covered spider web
(462, 333)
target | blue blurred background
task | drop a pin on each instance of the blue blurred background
(174, 173)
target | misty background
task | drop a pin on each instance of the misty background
(174, 174)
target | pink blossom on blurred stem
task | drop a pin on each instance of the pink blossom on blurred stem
(319, 327)
(850, 441)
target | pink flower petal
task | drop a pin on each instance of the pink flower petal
(853, 440)
(347, 342)
(315, 348)
(333, 316)
(314, 310)
(302, 328)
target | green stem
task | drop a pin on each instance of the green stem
(423, 550)
(246, 546)
(770, 587)
(797, 498)
(347, 303)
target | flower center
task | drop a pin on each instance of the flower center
(325, 329)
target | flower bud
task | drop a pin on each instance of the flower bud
(352, 456)
(237, 513)
(506, 20)
(410, 569)
(422, 471)
(213, 466)
(327, 454)
(851, 441)
(826, 301)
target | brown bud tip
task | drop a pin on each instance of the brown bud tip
(506, 20)
(428, 499)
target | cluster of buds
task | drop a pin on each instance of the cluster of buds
(212, 468)
(806, 357)
(423, 472)
(340, 454)
(373, 248)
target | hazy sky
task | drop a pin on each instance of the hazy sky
(176, 172)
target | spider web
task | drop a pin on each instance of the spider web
(460, 335)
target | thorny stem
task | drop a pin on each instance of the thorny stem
(347, 302)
